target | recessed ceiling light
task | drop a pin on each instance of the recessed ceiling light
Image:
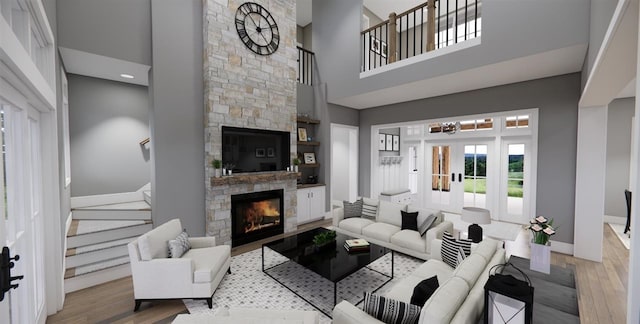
(126, 76)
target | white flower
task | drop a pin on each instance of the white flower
(549, 231)
(533, 221)
(536, 228)
(541, 219)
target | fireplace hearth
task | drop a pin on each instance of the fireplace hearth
(256, 215)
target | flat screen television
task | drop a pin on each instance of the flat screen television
(255, 150)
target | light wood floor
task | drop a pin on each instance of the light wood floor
(602, 292)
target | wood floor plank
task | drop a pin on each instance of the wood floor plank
(601, 288)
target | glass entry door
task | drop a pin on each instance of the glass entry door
(459, 175)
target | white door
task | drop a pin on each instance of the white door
(515, 181)
(344, 163)
(22, 221)
(458, 175)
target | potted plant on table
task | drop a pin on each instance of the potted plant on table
(541, 231)
(324, 240)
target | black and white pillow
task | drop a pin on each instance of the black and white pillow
(179, 246)
(426, 224)
(390, 311)
(352, 209)
(424, 290)
(369, 210)
(454, 251)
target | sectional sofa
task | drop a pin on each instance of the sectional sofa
(385, 229)
(459, 298)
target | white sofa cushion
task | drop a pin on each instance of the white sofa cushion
(208, 262)
(355, 225)
(434, 267)
(389, 213)
(444, 303)
(409, 239)
(486, 249)
(153, 244)
(381, 231)
(470, 269)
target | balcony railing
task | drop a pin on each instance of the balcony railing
(305, 66)
(432, 25)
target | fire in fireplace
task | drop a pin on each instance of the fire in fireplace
(256, 215)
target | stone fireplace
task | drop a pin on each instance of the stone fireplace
(246, 90)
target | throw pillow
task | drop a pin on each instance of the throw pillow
(409, 221)
(369, 209)
(424, 290)
(179, 246)
(453, 251)
(390, 311)
(352, 209)
(424, 227)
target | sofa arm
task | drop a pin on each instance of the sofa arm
(202, 242)
(346, 313)
(338, 216)
(436, 233)
(176, 276)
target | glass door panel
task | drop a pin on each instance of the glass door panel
(440, 175)
(475, 175)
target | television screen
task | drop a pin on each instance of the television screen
(255, 150)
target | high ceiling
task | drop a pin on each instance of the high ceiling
(380, 8)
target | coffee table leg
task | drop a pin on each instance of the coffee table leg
(263, 258)
(335, 293)
(391, 264)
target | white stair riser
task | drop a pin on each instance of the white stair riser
(86, 201)
(147, 197)
(109, 235)
(120, 214)
(96, 278)
(95, 256)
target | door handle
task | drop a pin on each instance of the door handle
(5, 272)
(453, 177)
(459, 177)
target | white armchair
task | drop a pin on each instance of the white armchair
(194, 275)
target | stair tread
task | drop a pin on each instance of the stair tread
(89, 226)
(98, 246)
(97, 266)
(133, 205)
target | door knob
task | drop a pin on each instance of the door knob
(5, 272)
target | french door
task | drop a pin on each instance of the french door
(515, 181)
(21, 223)
(459, 174)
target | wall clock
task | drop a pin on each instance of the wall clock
(257, 28)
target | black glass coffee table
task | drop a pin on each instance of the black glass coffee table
(333, 263)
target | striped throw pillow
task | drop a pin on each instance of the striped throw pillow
(369, 209)
(454, 251)
(390, 311)
(179, 246)
(352, 209)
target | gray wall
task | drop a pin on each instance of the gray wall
(373, 18)
(308, 37)
(107, 121)
(507, 33)
(619, 119)
(177, 114)
(557, 100)
(601, 12)
(116, 28)
(304, 99)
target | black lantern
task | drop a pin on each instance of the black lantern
(507, 299)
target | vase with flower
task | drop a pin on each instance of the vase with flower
(541, 231)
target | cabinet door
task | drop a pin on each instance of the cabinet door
(317, 203)
(303, 205)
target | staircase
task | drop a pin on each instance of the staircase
(97, 239)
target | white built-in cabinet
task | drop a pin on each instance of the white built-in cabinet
(311, 204)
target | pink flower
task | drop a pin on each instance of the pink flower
(549, 231)
(541, 219)
(533, 221)
(536, 228)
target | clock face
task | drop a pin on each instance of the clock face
(257, 28)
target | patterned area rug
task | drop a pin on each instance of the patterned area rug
(247, 286)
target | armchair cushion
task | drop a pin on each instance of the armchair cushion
(153, 244)
(180, 245)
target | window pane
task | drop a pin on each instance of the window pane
(515, 180)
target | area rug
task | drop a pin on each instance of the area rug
(247, 286)
(497, 230)
(619, 230)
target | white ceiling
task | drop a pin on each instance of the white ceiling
(103, 67)
(382, 8)
(303, 12)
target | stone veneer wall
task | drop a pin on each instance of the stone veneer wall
(243, 89)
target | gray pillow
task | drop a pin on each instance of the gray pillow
(369, 211)
(179, 246)
(352, 209)
(424, 227)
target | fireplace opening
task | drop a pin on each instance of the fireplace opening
(256, 215)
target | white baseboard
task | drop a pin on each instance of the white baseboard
(615, 219)
(561, 247)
